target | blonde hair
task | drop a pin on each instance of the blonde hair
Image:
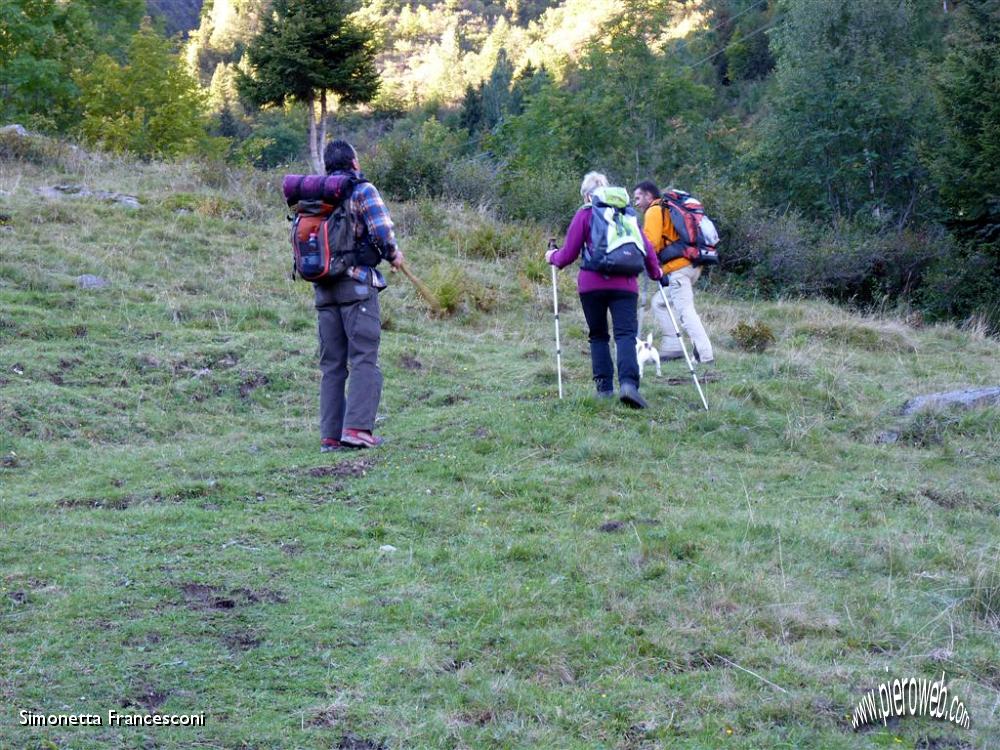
(592, 181)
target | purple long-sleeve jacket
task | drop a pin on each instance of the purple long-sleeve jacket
(591, 281)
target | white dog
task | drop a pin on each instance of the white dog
(645, 351)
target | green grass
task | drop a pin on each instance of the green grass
(566, 575)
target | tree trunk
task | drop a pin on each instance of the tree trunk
(314, 155)
(321, 144)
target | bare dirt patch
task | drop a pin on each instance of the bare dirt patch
(454, 665)
(352, 467)
(330, 716)
(241, 640)
(408, 362)
(252, 382)
(147, 698)
(617, 525)
(207, 597)
(107, 503)
(696, 661)
(706, 377)
(352, 741)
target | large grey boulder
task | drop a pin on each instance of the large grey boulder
(967, 398)
(15, 129)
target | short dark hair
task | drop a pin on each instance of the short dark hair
(648, 186)
(338, 156)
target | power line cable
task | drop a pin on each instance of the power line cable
(724, 21)
(766, 27)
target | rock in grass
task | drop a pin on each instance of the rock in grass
(89, 281)
(14, 129)
(81, 191)
(967, 398)
(387, 548)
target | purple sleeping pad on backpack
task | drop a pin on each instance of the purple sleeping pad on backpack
(313, 187)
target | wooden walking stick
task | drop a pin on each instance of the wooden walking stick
(426, 293)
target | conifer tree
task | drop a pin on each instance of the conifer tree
(305, 50)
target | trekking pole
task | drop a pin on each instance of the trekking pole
(642, 303)
(680, 338)
(555, 310)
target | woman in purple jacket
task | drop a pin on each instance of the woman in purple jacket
(600, 294)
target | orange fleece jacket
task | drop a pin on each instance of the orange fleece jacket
(661, 234)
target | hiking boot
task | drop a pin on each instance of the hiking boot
(328, 445)
(360, 439)
(629, 395)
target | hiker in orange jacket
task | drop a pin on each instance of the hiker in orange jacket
(679, 277)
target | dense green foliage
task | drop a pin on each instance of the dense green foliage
(43, 43)
(151, 106)
(847, 149)
(850, 104)
(967, 161)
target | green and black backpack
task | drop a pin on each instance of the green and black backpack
(615, 246)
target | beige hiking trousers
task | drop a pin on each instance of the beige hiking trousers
(681, 294)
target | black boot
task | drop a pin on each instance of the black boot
(629, 395)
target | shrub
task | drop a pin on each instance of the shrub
(448, 285)
(848, 260)
(756, 337)
(984, 592)
(412, 160)
(42, 151)
(472, 180)
(493, 240)
(550, 197)
(534, 267)
(965, 285)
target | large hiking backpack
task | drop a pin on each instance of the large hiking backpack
(615, 246)
(325, 234)
(698, 239)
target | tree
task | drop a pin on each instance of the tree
(44, 42)
(471, 116)
(150, 106)
(966, 162)
(848, 108)
(496, 91)
(307, 49)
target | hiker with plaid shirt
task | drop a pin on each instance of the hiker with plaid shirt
(349, 319)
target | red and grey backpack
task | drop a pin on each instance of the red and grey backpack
(698, 239)
(325, 234)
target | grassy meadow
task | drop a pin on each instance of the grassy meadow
(565, 574)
